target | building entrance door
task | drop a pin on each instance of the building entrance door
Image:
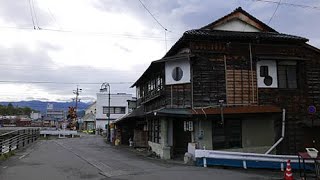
(181, 138)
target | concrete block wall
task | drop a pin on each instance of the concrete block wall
(206, 127)
(162, 148)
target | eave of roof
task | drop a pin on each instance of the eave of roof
(238, 110)
(235, 35)
(165, 59)
(240, 10)
(312, 47)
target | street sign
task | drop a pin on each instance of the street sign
(312, 109)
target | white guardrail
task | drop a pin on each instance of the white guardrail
(206, 155)
(58, 133)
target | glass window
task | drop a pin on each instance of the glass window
(287, 76)
(264, 71)
(114, 110)
(154, 130)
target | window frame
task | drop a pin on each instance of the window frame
(154, 130)
(287, 64)
(105, 110)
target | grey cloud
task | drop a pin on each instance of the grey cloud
(123, 48)
(20, 64)
(182, 15)
(18, 12)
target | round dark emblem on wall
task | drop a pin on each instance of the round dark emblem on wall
(177, 73)
(268, 80)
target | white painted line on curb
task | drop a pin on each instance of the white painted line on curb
(22, 156)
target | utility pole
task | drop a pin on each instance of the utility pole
(77, 92)
(74, 119)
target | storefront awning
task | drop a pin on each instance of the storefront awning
(237, 110)
(176, 112)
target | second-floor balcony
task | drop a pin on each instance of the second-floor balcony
(151, 95)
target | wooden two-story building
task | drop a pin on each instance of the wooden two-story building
(229, 85)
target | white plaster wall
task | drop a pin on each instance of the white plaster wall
(115, 100)
(272, 67)
(91, 108)
(236, 25)
(184, 65)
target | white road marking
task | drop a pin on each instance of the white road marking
(22, 156)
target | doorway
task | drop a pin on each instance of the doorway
(181, 138)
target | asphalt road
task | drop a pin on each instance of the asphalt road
(89, 157)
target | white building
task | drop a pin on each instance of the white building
(35, 115)
(90, 117)
(91, 108)
(118, 107)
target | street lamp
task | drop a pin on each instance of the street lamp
(104, 88)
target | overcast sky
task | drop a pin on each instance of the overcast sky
(88, 42)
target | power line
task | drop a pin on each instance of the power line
(30, 7)
(129, 36)
(53, 18)
(289, 4)
(56, 82)
(145, 7)
(165, 29)
(274, 12)
(35, 14)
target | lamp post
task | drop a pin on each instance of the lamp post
(106, 87)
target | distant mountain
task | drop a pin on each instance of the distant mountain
(42, 106)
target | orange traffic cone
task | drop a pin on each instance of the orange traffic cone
(288, 173)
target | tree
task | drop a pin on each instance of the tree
(10, 109)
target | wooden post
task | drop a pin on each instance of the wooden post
(23, 137)
(10, 143)
(32, 135)
(17, 140)
(1, 144)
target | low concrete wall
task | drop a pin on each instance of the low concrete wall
(163, 152)
(206, 139)
(258, 132)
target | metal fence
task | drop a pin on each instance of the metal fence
(317, 168)
(16, 139)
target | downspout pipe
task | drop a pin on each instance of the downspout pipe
(282, 133)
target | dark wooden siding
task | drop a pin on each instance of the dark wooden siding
(209, 85)
(178, 96)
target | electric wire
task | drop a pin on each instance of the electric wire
(129, 36)
(57, 82)
(33, 23)
(53, 18)
(165, 29)
(35, 14)
(145, 7)
(289, 4)
(274, 12)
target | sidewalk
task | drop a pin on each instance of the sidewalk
(273, 174)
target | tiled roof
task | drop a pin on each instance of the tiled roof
(236, 35)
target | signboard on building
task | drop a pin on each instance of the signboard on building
(188, 125)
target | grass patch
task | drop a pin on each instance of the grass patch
(43, 138)
(6, 155)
